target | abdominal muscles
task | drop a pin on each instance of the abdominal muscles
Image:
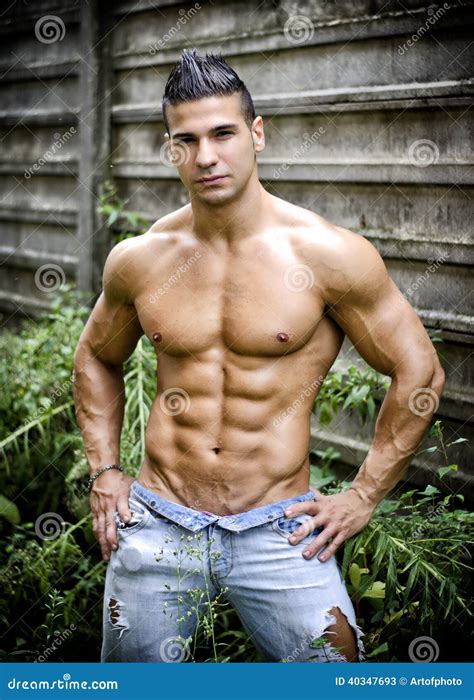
(227, 437)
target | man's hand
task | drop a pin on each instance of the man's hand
(109, 494)
(342, 515)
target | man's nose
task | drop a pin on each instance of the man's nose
(206, 156)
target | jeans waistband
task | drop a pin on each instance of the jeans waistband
(196, 520)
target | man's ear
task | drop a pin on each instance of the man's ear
(258, 135)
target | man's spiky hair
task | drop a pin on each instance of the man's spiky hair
(195, 76)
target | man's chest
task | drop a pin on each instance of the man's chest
(250, 305)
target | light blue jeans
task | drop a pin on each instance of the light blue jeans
(172, 561)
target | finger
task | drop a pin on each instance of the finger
(303, 531)
(310, 507)
(332, 547)
(111, 529)
(101, 536)
(123, 508)
(319, 542)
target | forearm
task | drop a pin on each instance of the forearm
(401, 424)
(99, 399)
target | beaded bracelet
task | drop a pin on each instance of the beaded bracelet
(101, 471)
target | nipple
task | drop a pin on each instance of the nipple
(157, 337)
(283, 337)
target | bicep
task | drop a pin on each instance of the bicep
(112, 331)
(113, 328)
(380, 322)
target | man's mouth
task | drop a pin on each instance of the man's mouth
(212, 178)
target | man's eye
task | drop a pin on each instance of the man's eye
(224, 133)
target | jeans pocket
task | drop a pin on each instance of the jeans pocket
(140, 515)
(286, 526)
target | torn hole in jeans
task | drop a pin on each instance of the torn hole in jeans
(116, 617)
(327, 651)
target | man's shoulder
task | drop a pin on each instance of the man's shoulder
(165, 232)
(130, 258)
(319, 236)
(338, 256)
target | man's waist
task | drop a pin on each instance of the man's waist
(196, 520)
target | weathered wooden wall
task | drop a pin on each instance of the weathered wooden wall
(368, 115)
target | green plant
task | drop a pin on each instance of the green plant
(113, 207)
(408, 570)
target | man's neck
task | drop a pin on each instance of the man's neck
(232, 221)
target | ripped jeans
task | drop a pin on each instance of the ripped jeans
(172, 560)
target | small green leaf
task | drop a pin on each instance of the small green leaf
(354, 575)
(9, 510)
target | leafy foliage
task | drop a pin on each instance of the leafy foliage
(408, 570)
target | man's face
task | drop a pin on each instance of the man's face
(208, 138)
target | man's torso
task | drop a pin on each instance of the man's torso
(243, 344)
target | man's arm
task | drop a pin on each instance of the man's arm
(385, 330)
(108, 339)
(388, 334)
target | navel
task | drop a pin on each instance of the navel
(283, 337)
(157, 336)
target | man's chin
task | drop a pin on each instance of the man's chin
(213, 197)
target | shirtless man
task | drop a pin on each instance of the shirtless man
(246, 299)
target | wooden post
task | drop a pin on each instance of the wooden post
(95, 142)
